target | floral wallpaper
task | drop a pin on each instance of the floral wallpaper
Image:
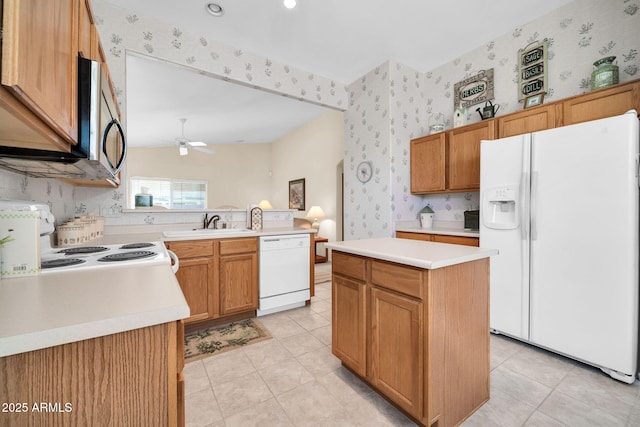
(579, 34)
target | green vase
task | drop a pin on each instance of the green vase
(605, 74)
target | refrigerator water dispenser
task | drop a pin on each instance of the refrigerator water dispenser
(500, 206)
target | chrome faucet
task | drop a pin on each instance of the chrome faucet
(207, 221)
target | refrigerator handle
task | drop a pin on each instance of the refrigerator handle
(638, 169)
(524, 224)
(534, 197)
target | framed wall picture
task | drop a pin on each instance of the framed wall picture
(533, 100)
(296, 194)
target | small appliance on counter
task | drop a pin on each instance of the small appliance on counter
(426, 217)
(22, 223)
(472, 220)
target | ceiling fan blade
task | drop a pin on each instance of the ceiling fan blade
(204, 150)
(197, 144)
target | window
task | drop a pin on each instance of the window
(170, 193)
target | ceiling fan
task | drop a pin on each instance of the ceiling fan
(185, 143)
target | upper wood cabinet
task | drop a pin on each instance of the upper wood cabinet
(428, 163)
(602, 103)
(39, 60)
(464, 154)
(529, 120)
(449, 161)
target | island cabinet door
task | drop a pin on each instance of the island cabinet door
(397, 349)
(349, 316)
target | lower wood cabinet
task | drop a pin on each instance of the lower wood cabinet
(218, 277)
(440, 238)
(419, 337)
(348, 299)
(125, 379)
(397, 348)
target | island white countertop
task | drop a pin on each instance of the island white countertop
(417, 253)
(61, 307)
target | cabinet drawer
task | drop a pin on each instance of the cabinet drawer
(400, 278)
(457, 240)
(349, 265)
(238, 246)
(192, 248)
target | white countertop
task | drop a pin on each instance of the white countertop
(417, 253)
(445, 231)
(62, 307)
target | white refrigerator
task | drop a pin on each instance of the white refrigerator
(561, 206)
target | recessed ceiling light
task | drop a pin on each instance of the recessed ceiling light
(289, 4)
(214, 9)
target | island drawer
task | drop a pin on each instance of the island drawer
(192, 248)
(349, 265)
(238, 246)
(400, 278)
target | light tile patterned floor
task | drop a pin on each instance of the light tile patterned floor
(294, 380)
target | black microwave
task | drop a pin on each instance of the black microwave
(101, 149)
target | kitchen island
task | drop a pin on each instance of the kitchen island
(411, 318)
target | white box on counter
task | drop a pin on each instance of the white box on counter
(20, 254)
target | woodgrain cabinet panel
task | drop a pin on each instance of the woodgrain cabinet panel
(195, 279)
(238, 283)
(428, 163)
(397, 349)
(440, 238)
(39, 60)
(348, 298)
(526, 121)
(400, 278)
(602, 103)
(349, 265)
(128, 378)
(464, 154)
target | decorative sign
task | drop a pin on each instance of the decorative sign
(474, 90)
(532, 69)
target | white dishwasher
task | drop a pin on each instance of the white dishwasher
(284, 272)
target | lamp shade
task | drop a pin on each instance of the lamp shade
(264, 204)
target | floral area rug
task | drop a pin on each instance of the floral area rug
(218, 339)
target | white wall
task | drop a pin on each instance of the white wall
(311, 152)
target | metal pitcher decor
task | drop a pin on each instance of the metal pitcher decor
(489, 111)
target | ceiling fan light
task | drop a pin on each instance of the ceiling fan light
(289, 4)
(183, 150)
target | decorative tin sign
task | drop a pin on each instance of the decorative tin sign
(473, 90)
(532, 69)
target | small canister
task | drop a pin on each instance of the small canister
(426, 217)
(605, 74)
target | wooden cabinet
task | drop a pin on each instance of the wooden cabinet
(419, 337)
(602, 103)
(428, 164)
(128, 378)
(348, 299)
(218, 277)
(529, 120)
(196, 277)
(464, 154)
(39, 60)
(449, 161)
(238, 275)
(441, 238)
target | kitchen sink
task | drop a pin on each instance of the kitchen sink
(199, 232)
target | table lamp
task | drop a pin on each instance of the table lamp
(316, 213)
(264, 204)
